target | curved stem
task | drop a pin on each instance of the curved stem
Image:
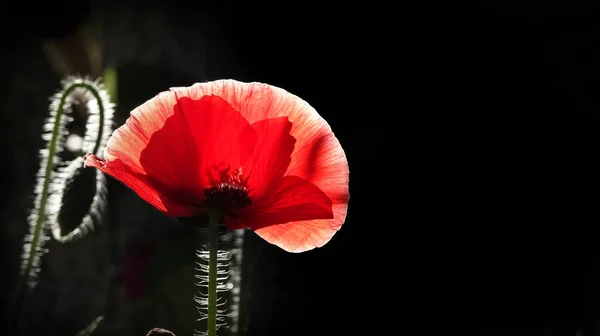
(50, 165)
(100, 134)
(41, 211)
(213, 238)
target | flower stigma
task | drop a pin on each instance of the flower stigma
(228, 197)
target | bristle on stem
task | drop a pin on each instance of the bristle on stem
(51, 182)
(215, 258)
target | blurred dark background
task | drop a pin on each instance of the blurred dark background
(457, 121)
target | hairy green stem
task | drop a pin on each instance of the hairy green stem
(50, 165)
(213, 222)
(41, 211)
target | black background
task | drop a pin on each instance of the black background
(459, 126)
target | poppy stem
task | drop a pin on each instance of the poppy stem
(29, 264)
(38, 221)
(213, 222)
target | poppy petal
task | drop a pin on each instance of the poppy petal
(170, 149)
(128, 141)
(154, 143)
(148, 189)
(317, 157)
(300, 236)
(296, 216)
(222, 136)
(271, 155)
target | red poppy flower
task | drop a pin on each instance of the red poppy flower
(261, 156)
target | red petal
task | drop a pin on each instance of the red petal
(301, 236)
(271, 155)
(148, 189)
(287, 216)
(223, 138)
(170, 149)
(151, 154)
(317, 157)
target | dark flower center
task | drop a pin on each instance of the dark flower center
(227, 198)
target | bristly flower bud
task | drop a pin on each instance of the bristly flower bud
(54, 176)
(159, 332)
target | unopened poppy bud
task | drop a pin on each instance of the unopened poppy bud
(159, 332)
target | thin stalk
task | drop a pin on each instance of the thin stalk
(31, 261)
(213, 238)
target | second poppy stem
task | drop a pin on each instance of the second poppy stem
(213, 239)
